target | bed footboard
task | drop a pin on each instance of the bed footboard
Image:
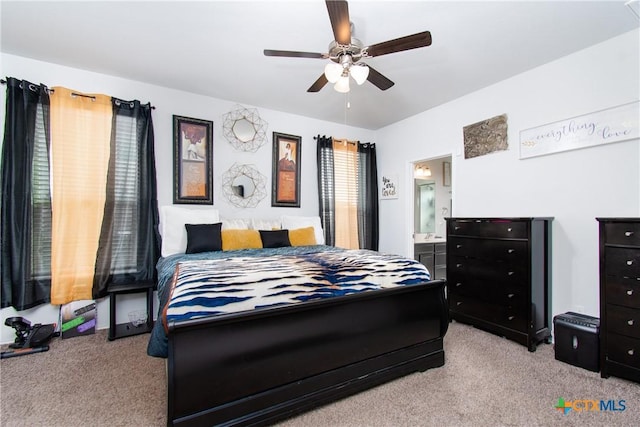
(256, 368)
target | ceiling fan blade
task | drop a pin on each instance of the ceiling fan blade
(378, 79)
(294, 54)
(403, 43)
(339, 17)
(319, 84)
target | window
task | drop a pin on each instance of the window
(345, 164)
(79, 193)
(347, 192)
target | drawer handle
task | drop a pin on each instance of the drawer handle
(628, 233)
(509, 229)
(630, 292)
(456, 228)
(510, 295)
(630, 352)
(510, 251)
(459, 303)
(511, 317)
(511, 273)
(458, 265)
(458, 246)
(630, 262)
(458, 284)
(630, 322)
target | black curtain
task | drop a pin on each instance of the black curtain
(326, 188)
(129, 241)
(26, 197)
(368, 232)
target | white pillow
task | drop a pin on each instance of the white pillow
(265, 224)
(293, 222)
(235, 224)
(174, 233)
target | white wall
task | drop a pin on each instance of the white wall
(574, 187)
(169, 102)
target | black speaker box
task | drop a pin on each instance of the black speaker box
(576, 341)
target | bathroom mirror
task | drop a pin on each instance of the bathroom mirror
(426, 206)
(244, 129)
(243, 186)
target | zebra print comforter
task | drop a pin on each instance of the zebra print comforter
(214, 283)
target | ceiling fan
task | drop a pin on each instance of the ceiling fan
(346, 51)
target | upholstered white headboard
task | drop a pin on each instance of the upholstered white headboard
(174, 234)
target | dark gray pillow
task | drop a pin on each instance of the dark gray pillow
(275, 238)
(203, 237)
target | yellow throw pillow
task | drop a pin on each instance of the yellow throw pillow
(234, 239)
(301, 237)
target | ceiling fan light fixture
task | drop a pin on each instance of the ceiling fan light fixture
(359, 72)
(342, 85)
(332, 72)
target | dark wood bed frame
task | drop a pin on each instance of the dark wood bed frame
(259, 367)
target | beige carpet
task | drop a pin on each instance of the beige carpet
(486, 381)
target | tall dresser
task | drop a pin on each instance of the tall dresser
(499, 276)
(620, 297)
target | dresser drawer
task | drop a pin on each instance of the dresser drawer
(489, 291)
(623, 320)
(501, 272)
(494, 250)
(624, 262)
(617, 233)
(504, 316)
(623, 291)
(488, 228)
(623, 350)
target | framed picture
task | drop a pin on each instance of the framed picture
(389, 186)
(192, 161)
(285, 185)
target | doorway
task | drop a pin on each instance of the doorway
(432, 199)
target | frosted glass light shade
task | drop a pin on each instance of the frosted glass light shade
(422, 172)
(359, 73)
(332, 72)
(342, 84)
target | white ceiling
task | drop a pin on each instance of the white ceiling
(215, 48)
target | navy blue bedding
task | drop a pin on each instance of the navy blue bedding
(214, 283)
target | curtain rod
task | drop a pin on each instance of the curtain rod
(339, 139)
(4, 82)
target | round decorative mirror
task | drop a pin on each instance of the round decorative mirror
(244, 186)
(244, 129)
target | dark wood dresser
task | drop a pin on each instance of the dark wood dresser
(499, 276)
(620, 297)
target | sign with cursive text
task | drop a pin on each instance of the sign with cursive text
(389, 187)
(602, 127)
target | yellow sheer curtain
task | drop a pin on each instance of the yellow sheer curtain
(80, 146)
(345, 155)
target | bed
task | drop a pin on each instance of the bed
(324, 323)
